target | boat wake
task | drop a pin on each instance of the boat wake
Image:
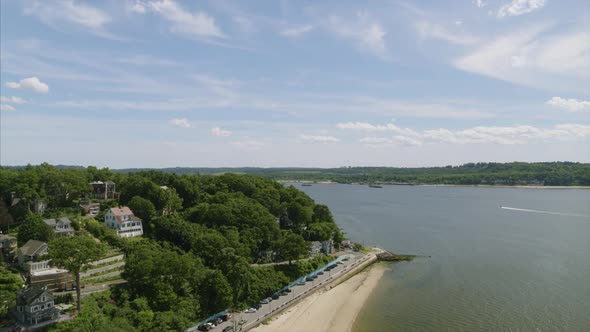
(545, 212)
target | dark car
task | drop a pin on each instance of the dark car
(288, 290)
(309, 279)
(275, 296)
(228, 329)
(218, 321)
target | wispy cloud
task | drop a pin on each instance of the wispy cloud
(518, 134)
(182, 123)
(50, 12)
(319, 139)
(534, 56)
(13, 100)
(368, 34)
(297, 31)
(216, 131)
(435, 31)
(199, 24)
(31, 83)
(480, 3)
(572, 105)
(6, 108)
(520, 7)
(146, 60)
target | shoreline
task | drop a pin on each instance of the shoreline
(330, 309)
(442, 185)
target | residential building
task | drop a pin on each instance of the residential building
(60, 226)
(327, 247)
(30, 256)
(104, 190)
(35, 305)
(8, 246)
(315, 248)
(38, 270)
(90, 207)
(122, 220)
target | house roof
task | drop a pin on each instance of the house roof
(122, 211)
(6, 237)
(53, 222)
(30, 294)
(32, 247)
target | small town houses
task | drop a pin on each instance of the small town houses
(35, 305)
(122, 220)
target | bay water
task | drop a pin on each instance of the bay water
(500, 259)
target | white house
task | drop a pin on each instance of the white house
(61, 226)
(122, 220)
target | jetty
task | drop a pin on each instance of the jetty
(391, 257)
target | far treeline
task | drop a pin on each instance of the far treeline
(202, 236)
(515, 173)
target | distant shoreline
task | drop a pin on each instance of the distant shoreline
(442, 185)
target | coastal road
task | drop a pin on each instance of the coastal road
(250, 320)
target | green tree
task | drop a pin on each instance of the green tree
(292, 246)
(34, 229)
(142, 208)
(74, 253)
(9, 284)
(321, 213)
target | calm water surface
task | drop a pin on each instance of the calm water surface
(491, 269)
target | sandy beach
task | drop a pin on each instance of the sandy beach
(329, 310)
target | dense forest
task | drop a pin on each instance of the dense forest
(515, 173)
(202, 233)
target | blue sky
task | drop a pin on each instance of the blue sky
(159, 83)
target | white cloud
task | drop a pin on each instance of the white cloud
(520, 7)
(220, 132)
(363, 126)
(183, 123)
(6, 108)
(572, 105)
(434, 31)
(296, 31)
(31, 83)
(12, 100)
(199, 24)
(534, 56)
(368, 35)
(68, 10)
(480, 3)
(518, 134)
(322, 139)
(395, 140)
(137, 7)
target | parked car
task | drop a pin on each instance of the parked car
(218, 321)
(288, 290)
(264, 301)
(251, 310)
(228, 329)
(226, 317)
(275, 296)
(309, 279)
(320, 273)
